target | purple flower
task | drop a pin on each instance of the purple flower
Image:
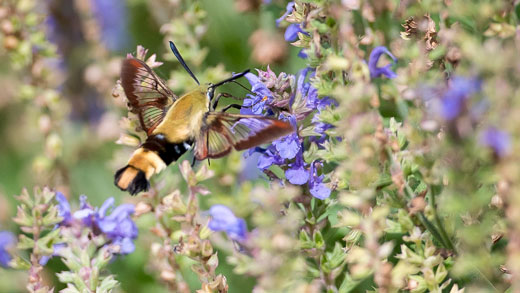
(499, 141)
(257, 86)
(454, 98)
(297, 174)
(320, 127)
(56, 250)
(7, 239)
(223, 219)
(63, 208)
(316, 186)
(291, 33)
(302, 54)
(269, 157)
(288, 146)
(375, 71)
(255, 104)
(118, 226)
(250, 170)
(288, 10)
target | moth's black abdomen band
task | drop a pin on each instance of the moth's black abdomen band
(133, 185)
(168, 152)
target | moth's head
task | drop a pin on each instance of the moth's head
(210, 91)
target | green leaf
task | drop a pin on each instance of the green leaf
(348, 284)
(108, 284)
(25, 242)
(51, 218)
(308, 131)
(402, 140)
(46, 242)
(317, 238)
(66, 277)
(304, 236)
(393, 227)
(315, 272)
(441, 273)
(19, 263)
(337, 257)
(438, 52)
(384, 180)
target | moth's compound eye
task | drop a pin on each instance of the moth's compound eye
(210, 93)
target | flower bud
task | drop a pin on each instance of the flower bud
(207, 249)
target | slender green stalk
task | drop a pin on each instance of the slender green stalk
(438, 221)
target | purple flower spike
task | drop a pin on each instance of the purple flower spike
(375, 71)
(499, 141)
(223, 219)
(118, 226)
(7, 239)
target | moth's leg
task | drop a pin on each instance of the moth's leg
(225, 95)
(215, 102)
(193, 161)
(235, 106)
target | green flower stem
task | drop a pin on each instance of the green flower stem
(438, 221)
(426, 223)
(422, 218)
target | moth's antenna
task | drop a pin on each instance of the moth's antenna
(236, 76)
(179, 57)
(242, 86)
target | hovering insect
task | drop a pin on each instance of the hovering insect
(174, 124)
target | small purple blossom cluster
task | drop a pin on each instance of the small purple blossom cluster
(497, 140)
(223, 219)
(117, 226)
(373, 59)
(293, 99)
(457, 102)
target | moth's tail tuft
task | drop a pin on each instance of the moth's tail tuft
(131, 179)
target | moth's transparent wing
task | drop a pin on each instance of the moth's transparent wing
(223, 131)
(148, 96)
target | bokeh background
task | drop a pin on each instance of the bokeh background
(420, 152)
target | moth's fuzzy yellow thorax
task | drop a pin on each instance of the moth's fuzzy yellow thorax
(184, 119)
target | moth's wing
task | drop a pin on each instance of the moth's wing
(148, 96)
(222, 131)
